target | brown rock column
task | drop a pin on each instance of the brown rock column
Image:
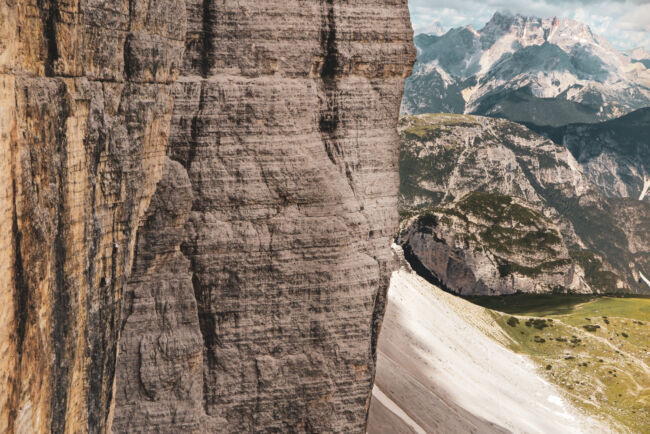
(285, 121)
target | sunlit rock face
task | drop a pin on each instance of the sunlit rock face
(216, 183)
(85, 108)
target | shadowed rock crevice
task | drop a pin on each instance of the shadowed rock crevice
(49, 10)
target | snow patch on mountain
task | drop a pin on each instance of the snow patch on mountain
(646, 186)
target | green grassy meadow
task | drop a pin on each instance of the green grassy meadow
(597, 349)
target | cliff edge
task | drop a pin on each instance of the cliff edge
(196, 204)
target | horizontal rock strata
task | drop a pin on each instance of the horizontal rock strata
(85, 109)
(284, 123)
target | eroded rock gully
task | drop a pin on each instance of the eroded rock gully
(243, 275)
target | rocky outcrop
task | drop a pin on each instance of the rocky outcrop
(255, 305)
(445, 157)
(85, 113)
(613, 154)
(490, 244)
(159, 372)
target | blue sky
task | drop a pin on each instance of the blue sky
(625, 23)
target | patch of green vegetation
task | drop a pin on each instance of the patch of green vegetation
(506, 268)
(601, 367)
(418, 164)
(637, 308)
(538, 323)
(597, 226)
(429, 220)
(512, 228)
(489, 206)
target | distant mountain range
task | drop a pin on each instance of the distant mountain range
(542, 71)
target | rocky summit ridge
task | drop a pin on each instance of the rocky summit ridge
(527, 69)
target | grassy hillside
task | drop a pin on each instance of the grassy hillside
(597, 349)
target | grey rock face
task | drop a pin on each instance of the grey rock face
(284, 121)
(159, 372)
(260, 268)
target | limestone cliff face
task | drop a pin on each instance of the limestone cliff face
(284, 122)
(85, 109)
(249, 293)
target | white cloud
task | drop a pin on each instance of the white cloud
(625, 23)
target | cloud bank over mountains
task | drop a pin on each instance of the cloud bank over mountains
(625, 23)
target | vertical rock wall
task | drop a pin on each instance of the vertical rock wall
(284, 122)
(85, 109)
(255, 284)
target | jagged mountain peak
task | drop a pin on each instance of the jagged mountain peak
(565, 66)
(638, 53)
(520, 26)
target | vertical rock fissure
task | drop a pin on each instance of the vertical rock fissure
(21, 313)
(206, 38)
(207, 325)
(61, 315)
(329, 116)
(49, 14)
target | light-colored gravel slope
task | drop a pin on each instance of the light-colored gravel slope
(439, 372)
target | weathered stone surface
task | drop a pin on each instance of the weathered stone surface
(83, 140)
(490, 244)
(262, 263)
(159, 372)
(284, 121)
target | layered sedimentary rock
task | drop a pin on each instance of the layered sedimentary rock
(253, 267)
(284, 123)
(85, 109)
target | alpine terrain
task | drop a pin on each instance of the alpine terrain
(490, 207)
(614, 154)
(545, 71)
